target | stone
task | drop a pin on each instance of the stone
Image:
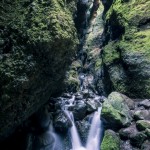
(137, 139)
(62, 122)
(125, 145)
(91, 106)
(143, 124)
(79, 110)
(145, 103)
(126, 133)
(142, 114)
(110, 141)
(115, 111)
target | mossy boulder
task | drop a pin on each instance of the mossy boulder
(115, 111)
(110, 141)
(126, 41)
(37, 42)
(143, 124)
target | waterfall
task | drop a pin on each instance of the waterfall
(93, 140)
(75, 140)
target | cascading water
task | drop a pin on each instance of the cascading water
(75, 140)
(93, 140)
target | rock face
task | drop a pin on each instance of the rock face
(37, 41)
(127, 48)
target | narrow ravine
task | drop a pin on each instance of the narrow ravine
(87, 94)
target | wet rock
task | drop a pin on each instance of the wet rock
(142, 114)
(83, 128)
(91, 106)
(125, 145)
(79, 110)
(137, 139)
(116, 111)
(146, 145)
(110, 141)
(143, 124)
(61, 122)
(145, 103)
(125, 133)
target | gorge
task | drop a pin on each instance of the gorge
(75, 75)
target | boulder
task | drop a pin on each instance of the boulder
(125, 145)
(110, 141)
(79, 110)
(62, 122)
(115, 111)
(143, 124)
(126, 133)
(142, 114)
(145, 103)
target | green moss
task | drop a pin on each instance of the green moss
(128, 36)
(111, 114)
(143, 124)
(37, 42)
(110, 141)
(116, 111)
(98, 64)
(111, 54)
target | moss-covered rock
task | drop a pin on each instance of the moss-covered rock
(110, 141)
(127, 47)
(143, 124)
(37, 42)
(115, 111)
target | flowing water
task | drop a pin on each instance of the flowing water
(93, 140)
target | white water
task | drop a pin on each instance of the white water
(93, 141)
(75, 140)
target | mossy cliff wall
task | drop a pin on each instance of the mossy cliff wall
(37, 42)
(126, 40)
